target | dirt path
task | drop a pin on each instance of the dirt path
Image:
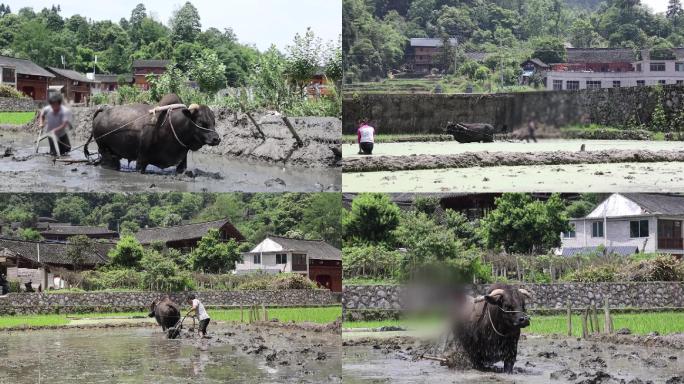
(540, 360)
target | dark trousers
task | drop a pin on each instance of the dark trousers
(366, 148)
(63, 144)
(203, 324)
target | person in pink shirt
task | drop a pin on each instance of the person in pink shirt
(366, 138)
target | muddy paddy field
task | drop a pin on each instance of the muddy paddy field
(550, 165)
(242, 162)
(269, 353)
(394, 357)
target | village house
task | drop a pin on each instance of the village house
(63, 231)
(26, 76)
(532, 67)
(185, 237)
(423, 53)
(596, 68)
(316, 259)
(142, 68)
(629, 223)
(73, 85)
(110, 82)
(39, 262)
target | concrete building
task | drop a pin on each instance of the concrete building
(185, 237)
(316, 259)
(26, 76)
(629, 223)
(423, 54)
(595, 68)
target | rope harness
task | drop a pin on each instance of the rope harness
(169, 108)
(489, 315)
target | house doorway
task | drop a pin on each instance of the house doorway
(324, 281)
(670, 234)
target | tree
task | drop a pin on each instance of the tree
(213, 255)
(549, 50)
(674, 9)
(77, 250)
(185, 24)
(303, 58)
(520, 224)
(208, 71)
(372, 219)
(30, 234)
(70, 209)
(127, 253)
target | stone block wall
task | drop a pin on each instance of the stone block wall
(31, 303)
(545, 296)
(425, 113)
(8, 104)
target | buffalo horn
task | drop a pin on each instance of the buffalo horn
(193, 107)
(497, 292)
(525, 292)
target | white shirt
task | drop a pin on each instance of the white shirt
(199, 309)
(366, 134)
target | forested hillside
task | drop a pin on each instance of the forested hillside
(313, 216)
(376, 32)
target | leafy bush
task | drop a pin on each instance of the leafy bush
(162, 274)
(112, 278)
(594, 274)
(276, 282)
(11, 92)
(371, 261)
(29, 234)
(127, 253)
(660, 268)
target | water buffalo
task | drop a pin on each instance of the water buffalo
(488, 331)
(471, 133)
(162, 139)
(167, 313)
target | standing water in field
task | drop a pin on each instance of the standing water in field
(142, 355)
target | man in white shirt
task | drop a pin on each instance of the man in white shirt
(201, 313)
(366, 138)
(56, 117)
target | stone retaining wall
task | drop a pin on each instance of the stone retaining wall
(30, 303)
(545, 296)
(8, 104)
(421, 113)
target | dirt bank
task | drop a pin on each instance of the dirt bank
(495, 159)
(540, 360)
(321, 137)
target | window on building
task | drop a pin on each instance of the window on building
(593, 85)
(8, 75)
(638, 228)
(679, 67)
(641, 83)
(257, 259)
(597, 229)
(657, 67)
(662, 82)
(298, 262)
(616, 84)
(281, 258)
(558, 85)
(680, 82)
(571, 233)
(572, 85)
(638, 67)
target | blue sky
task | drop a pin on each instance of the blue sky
(258, 22)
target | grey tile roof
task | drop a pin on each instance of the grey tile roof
(185, 232)
(316, 249)
(151, 63)
(658, 204)
(618, 250)
(430, 42)
(25, 67)
(54, 253)
(477, 56)
(77, 230)
(113, 78)
(70, 74)
(601, 55)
